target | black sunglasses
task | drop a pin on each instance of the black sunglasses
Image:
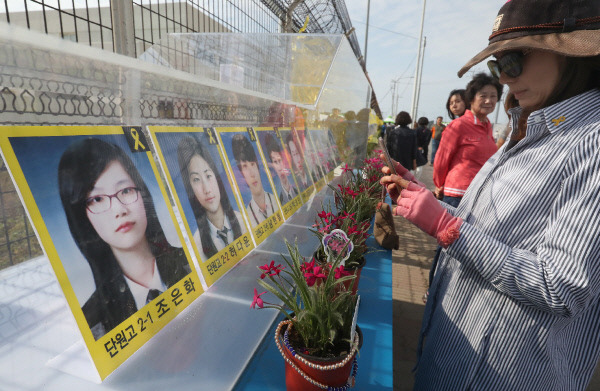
(510, 63)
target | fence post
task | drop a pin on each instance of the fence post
(123, 27)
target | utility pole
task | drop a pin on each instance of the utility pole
(413, 110)
(365, 56)
(419, 81)
(394, 97)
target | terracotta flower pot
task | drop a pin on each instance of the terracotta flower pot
(308, 373)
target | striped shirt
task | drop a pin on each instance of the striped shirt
(514, 304)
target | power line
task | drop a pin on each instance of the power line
(389, 31)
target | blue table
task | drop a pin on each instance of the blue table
(266, 370)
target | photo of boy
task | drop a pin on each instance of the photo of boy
(275, 156)
(262, 203)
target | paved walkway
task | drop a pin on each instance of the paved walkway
(410, 275)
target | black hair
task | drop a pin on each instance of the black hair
(242, 149)
(403, 119)
(272, 145)
(578, 75)
(423, 121)
(290, 138)
(188, 148)
(79, 168)
(460, 92)
(479, 81)
(350, 115)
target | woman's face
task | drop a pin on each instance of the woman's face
(122, 227)
(204, 184)
(296, 156)
(457, 105)
(485, 101)
(540, 75)
(277, 161)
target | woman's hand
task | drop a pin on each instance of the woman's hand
(400, 170)
(439, 192)
(418, 205)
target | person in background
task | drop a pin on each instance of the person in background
(467, 142)
(502, 136)
(509, 103)
(401, 142)
(436, 131)
(423, 136)
(515, 301)
(456, 103)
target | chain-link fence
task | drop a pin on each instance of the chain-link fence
(128, 27)
(94, 22)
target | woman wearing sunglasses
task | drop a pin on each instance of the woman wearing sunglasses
(515, 300)
(112, 219)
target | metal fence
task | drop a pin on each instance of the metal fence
(101, 22)
(128, 27)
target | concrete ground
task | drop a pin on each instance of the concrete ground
(410, 275)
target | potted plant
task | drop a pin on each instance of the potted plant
(356, 232)
(317, 338)
(359, 191)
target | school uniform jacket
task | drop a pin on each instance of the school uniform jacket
(113, 302)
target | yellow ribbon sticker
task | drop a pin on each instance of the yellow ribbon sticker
(558, 120)
(211, 136)
(136, 138)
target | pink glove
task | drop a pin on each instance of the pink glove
(419, 206)
(404, 172)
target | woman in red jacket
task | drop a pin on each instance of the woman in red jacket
(467, 142)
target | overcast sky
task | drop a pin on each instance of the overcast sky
(455, 31)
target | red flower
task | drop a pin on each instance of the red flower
(270, 269)
(325, 229)
(314, 274)
(257, 300)
(307, 266)
(350, 192)
(346, 168)
(345, 215)
(341, 272)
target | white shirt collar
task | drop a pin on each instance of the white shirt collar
(140, 292)
(217, 241)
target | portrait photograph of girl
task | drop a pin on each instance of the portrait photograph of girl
(211, 212)
(218, 224)
(278, 164)
(292, 150)
(119, 249)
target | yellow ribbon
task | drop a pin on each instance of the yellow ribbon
(136, 138)
(211, 139)
(305, 25)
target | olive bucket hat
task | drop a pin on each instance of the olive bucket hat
(570, 28)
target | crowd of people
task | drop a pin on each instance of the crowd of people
(514, 297)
